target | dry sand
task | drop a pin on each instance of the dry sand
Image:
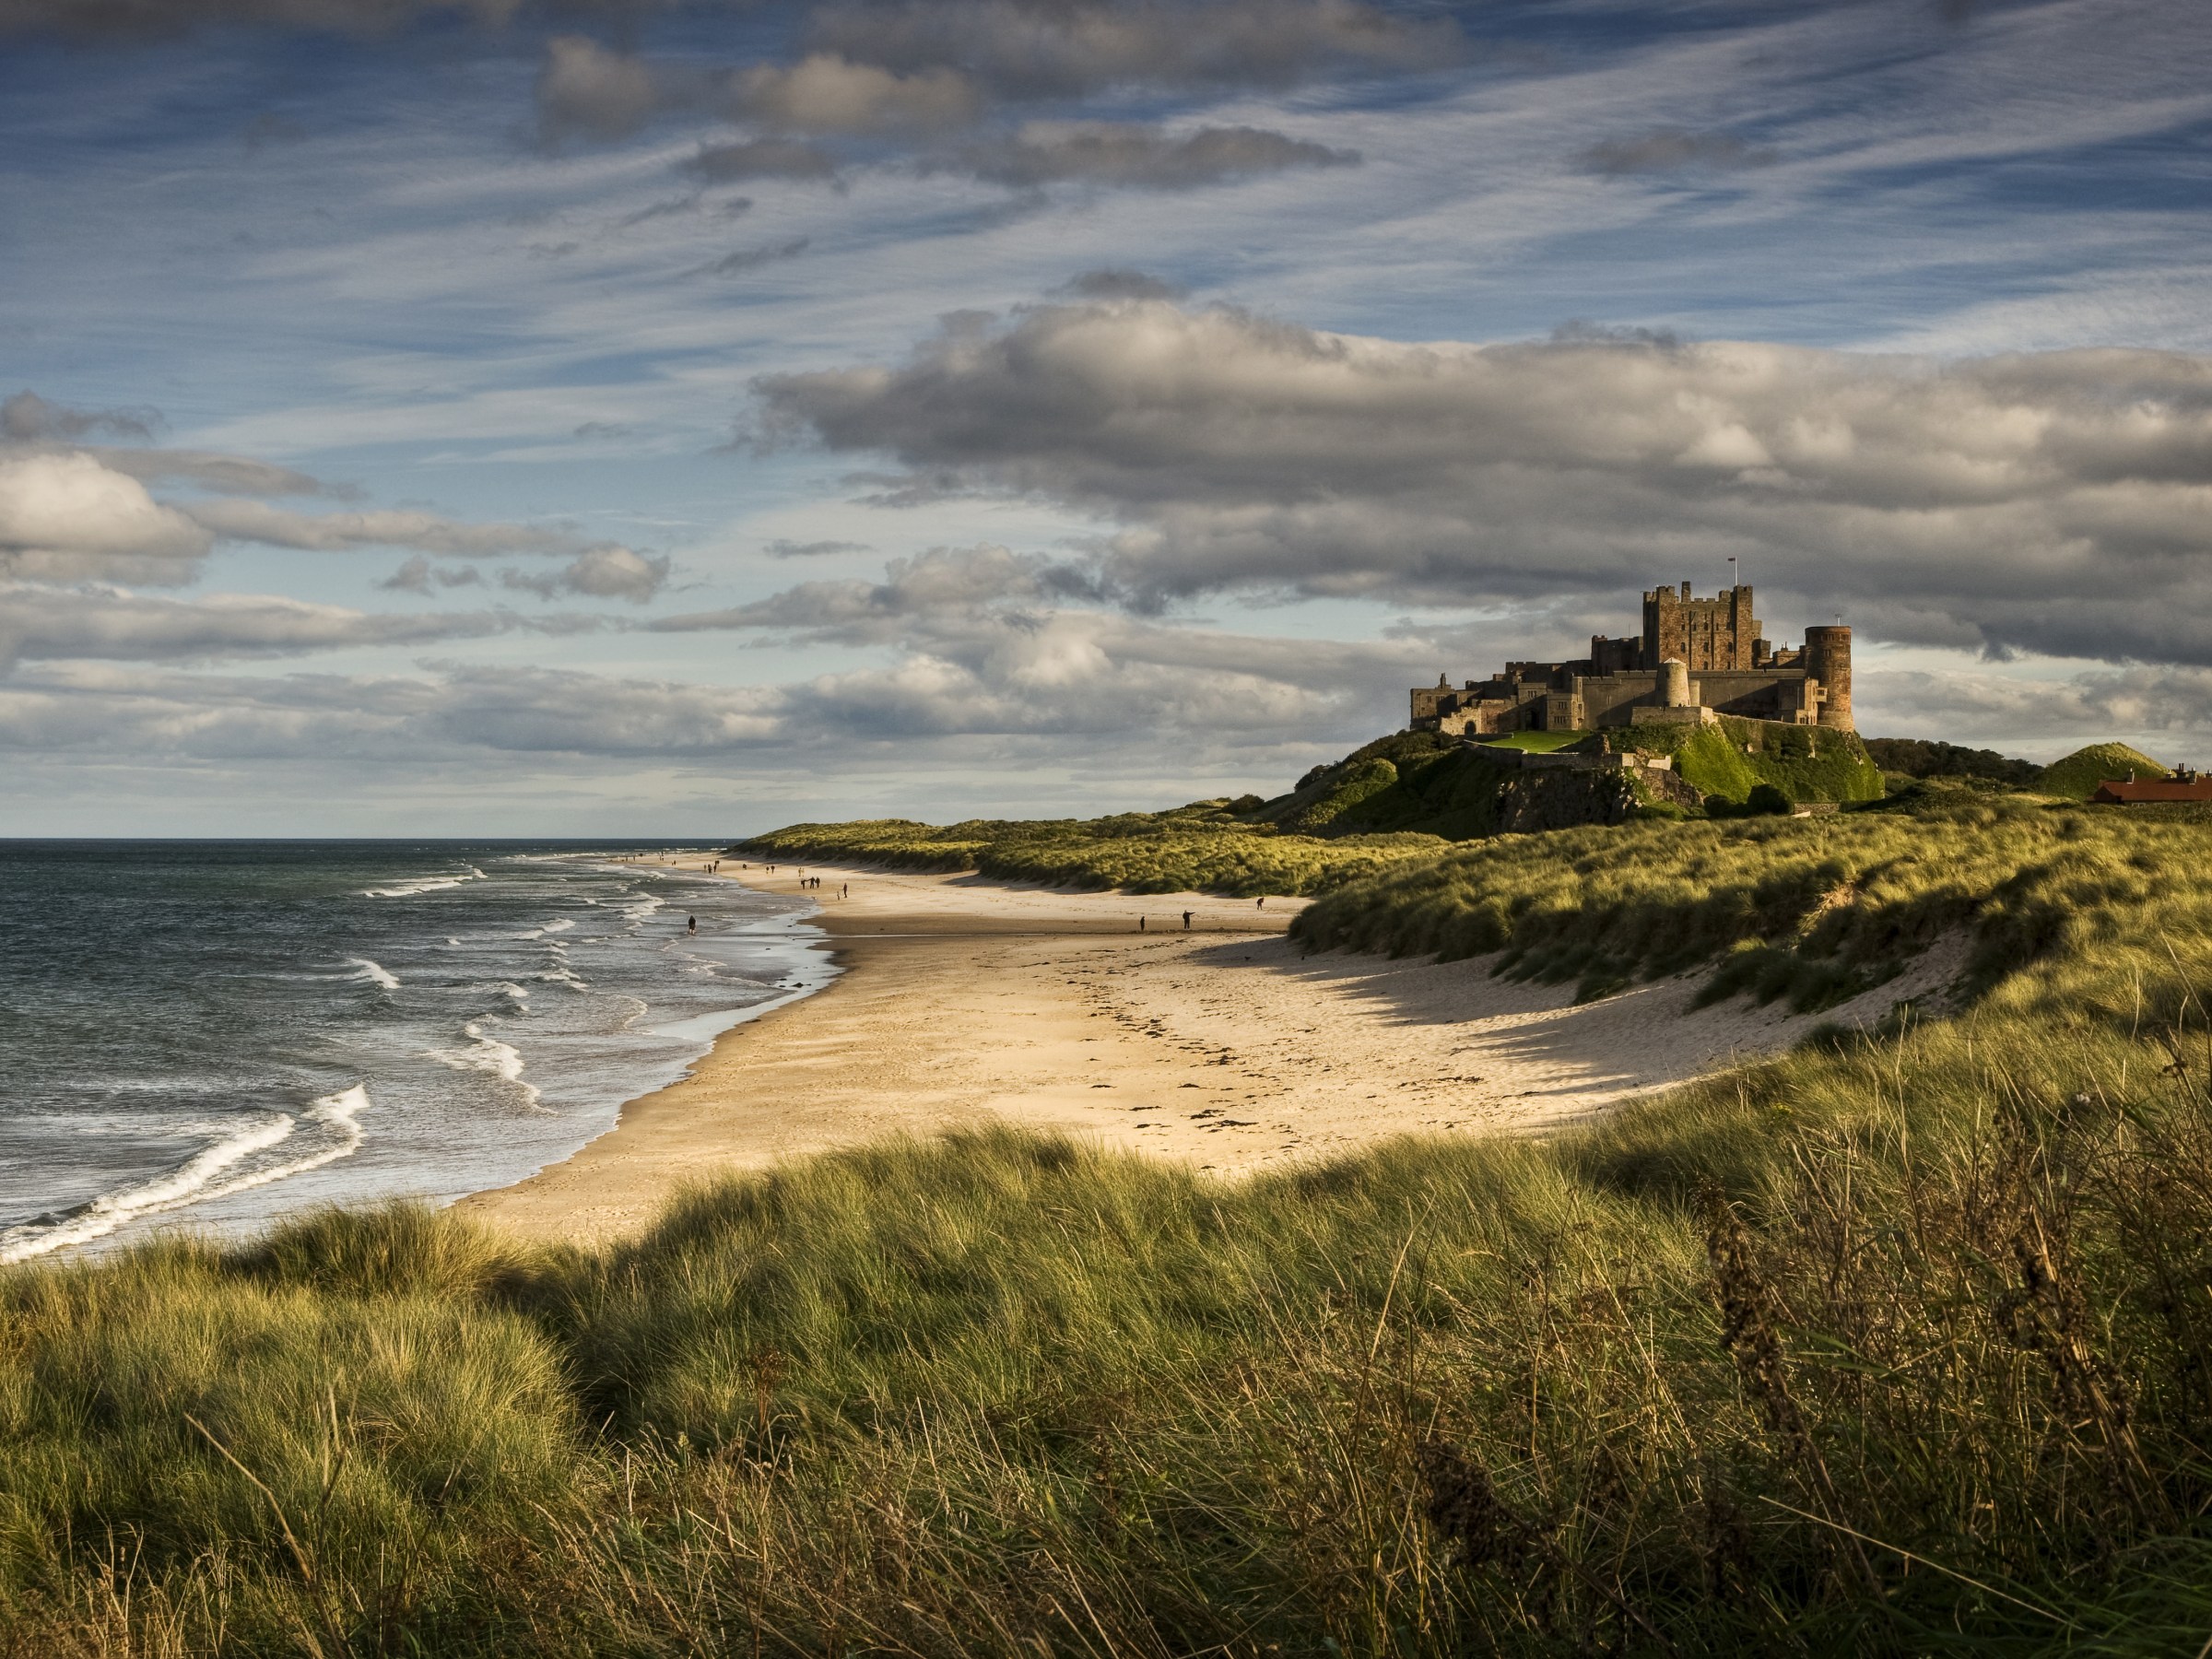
(965, 1002)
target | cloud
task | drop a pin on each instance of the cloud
(64, 517)
(1121, 284)
(942, 581)
(584, 89)
(1033, 49)
(99, 20)
(605, 572)
(986, 650)
(27, 418)
(2038, 714)
(813, 549)
(825, 93)
(380, 528)
(1670, 149)
(2057, 502)
(762, 158)
(236, 474)
(752, 259)
(417, 575)
(1133, 156)
(41, 622)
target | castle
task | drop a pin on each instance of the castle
(1696, 659)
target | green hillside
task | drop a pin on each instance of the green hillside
(2076, 778)
(1731, 758)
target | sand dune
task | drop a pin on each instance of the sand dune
(965, 1001)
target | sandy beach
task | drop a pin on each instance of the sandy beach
(964, 1002)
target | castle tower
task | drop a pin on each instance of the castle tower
(1674, 684)
(1827, 659)
(1711, 636)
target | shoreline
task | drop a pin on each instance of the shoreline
(962, 1003)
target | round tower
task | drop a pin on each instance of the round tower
(1674, 684)
(1827, 659)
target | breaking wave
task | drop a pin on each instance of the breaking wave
(211, 1172)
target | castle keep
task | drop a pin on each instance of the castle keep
(1695, 660)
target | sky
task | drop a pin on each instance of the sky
(682, 418)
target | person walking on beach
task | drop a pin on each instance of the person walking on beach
(691, 926)
(1140, 924)
(1263, 903)
(1186, 921)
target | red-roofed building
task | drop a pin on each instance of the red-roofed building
(2184, 787)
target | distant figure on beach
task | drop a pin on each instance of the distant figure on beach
(1186, 921)
(1140, 924)
(1263, 903)
(691, 926)
(844, 891)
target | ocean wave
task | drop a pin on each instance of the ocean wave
(486, 1054)
(425, 884)
(374, 973)
(517, 993)
(560, 924)
(562, 975)
(199, 1178)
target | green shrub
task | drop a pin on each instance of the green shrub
(2075, 777)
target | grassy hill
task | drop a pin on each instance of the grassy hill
(2075, 777)
(1898, 1343)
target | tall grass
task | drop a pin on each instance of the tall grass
(1818, 909)
(1899, 1343)
(1201, 848)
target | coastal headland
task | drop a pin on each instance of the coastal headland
(964, 1002)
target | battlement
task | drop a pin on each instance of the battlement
(1695, 658)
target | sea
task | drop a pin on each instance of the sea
(216, 1034)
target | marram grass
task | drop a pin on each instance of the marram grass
(1901, 1343)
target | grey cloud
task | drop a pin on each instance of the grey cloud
(1133, 156)
(1120, 285)
(1671, 149)
(27, 418)
(679, 204)
(2052, 715)
(95, 21)
(813, 549)
(418, 573)
(762, 158)
(380, 528)
(2051, 503)
(985, 651)
(588, 90)
(547, 709)
(944, 580)
(752, 259)
(38, 622)
(605, 572)
(1063, 48)
(234, 474)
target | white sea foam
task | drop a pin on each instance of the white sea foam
(200, 1177)
(517, 993)
(562, 975)
(488, 1054)
(560, 924)
(425, 884)
(374, 973)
